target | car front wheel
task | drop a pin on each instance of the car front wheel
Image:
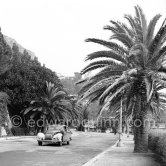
(60, 143)
(39, 143)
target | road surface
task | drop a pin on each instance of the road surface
(82, 148)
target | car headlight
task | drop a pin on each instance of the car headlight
(40, 136)
(58, 137)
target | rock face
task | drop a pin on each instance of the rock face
(11, 41)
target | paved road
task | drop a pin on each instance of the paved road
(26, 152)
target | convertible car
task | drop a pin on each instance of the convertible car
(55, 134)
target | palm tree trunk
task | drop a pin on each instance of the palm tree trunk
(141, 129)
(44, 123)
(141, 137)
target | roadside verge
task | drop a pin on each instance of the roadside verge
(100, 155)
(123, 156)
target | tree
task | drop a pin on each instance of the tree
(52, 105)
(131, 69)
(5, 55)
(5, 64)
(69, 83)
(24, 80)
(82, 111)
(4, 116)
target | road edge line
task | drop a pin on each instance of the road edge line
(93, 160)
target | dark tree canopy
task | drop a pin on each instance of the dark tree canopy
(5, 55)
(25, 80)
(69, 83)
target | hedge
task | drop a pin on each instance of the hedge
(157, 142)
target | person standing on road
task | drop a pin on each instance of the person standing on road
(3, 131)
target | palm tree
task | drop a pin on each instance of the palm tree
(131, 69)
(53, 105)
(83, 113)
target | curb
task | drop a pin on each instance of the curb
(74, 134)
(93, 160)
(15, 137)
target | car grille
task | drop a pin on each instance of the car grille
(48, 137)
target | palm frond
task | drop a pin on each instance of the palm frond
(115, 86)
(86, 86)
(149, 88)
(98, 77)
(112, 29)
(128, 30)
(94, 96)
(34, 114)
(136, 29)
(100, 62)
(108, 72)
(102, 83)
(158, 38)
(110, 45)
(27, 110)
(118, 26)
(107, 54)
(112, 109)
(57, 95)
(162, 52)
(81, 81)
(151, 28)
(92, 68)
(120, 92)
(143, 22)
(138, 55)
(123, 38)
(158, 55)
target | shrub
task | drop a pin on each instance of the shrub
(17, 131)
(157, 142)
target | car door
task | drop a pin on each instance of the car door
(67, 134)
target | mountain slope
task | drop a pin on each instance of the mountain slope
(11, 41)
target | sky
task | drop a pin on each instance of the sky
(55, 30)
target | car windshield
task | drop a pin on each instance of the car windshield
(55, 127)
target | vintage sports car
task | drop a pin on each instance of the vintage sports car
(55, 134)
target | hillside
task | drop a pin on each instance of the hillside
(10, 42)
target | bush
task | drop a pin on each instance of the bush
(17, 131)
(157, 142)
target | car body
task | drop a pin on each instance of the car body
(55, 134)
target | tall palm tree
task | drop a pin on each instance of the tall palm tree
(130, 69)
(53, 105)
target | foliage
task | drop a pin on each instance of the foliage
(69, 84)
(5, 64)
(132, 69)
(4, 116)
(19, 131)
(82, 115)
(5, 55)
(25, 80)
(157, 143)
(86, 111)
(54, 104)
